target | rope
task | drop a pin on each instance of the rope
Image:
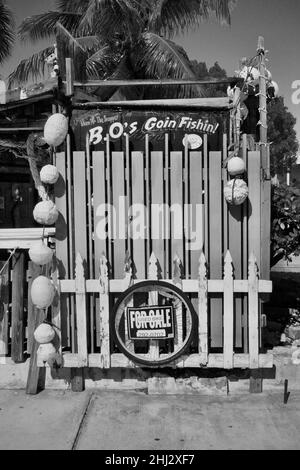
(30, 144)
(8, 260)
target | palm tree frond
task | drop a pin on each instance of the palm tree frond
(33, 67)
(158, 57)
(43, 26)
(7, 35)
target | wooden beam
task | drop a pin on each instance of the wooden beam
(155, 82)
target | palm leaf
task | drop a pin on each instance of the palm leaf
(158, 57)
(43, 26)
(7, 35)
(33, 67)
(171, 17)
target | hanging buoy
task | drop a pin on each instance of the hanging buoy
(46, 352)
(236, 166)
(42, 292)
(40, 253)
(251, 74)
(45, 213)
(56, 129)
(49, 174)
(236, 192)
(44, 333)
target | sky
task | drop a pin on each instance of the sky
(276, 20)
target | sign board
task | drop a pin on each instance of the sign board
(181, 126)
(155, 322)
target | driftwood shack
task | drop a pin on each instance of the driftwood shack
(153, 266)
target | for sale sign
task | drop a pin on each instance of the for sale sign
(155, 322)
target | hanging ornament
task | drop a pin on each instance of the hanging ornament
(40, 253)
(42, 292)
(46, 352)
(250, 74)
(45, 213)
(44, 333)
(49, 174)
(236, 192)
(236, 166)
(56, 129)
(273, 90)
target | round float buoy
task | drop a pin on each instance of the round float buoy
(56, 129)
(40, 253)
(49, 174)
(236, 192)
(236, 166)
(46, 352)
(45, 213)
(42, 292)
(44, 333)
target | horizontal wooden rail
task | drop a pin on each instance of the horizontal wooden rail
(155, 82)
(22, 238)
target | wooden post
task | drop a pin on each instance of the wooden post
(33, 272)
(228, 313)
(127, 283)
(4, 311)
(17, 315)
(104, 314)
(69, 77)
(36, 375)
(253, 313)
(203, 310)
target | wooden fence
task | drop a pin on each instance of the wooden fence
(93, 180)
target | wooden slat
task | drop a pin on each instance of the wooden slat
(253, 314)
(4, 310)
(81, 311)
(104, 359)
(254, 223)
(206, 189)
(118, 201)
(33, 271)
(139, 215)
(228, 312)
(17, 314)
(91, 264)
(63, 224)
(128, 282)
(197, 216)
(168, 215)
(178, 315)
(98, 204)
(80, 204)
(203, 309)
(215, 244)
(177, 248)
(157, 199)
(36, 372)
(153, 300)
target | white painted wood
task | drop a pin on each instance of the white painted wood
(203, 309)
(103, 286)
(22, 238)
(228, 313)
(81, 313)
(253, 313)
(127, 283)
(153, 300)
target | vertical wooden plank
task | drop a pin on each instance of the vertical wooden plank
(253, 313)
(137, 213)
(225, 205)
(176, 204)
(63, 225)
(186, 214)
(206, 198)
(157, 208)
(197, 212)
(118, 202)
(203, 310)
(153, 300)
(128, 280)
(81, 312)
(56, 306)
(36, 375)
(100, 225)
(228, 313)
(4, 310)
(167, 218)
(32, 273)
(148, 201)
(80, 204)
(17, 313)
(178, 314)
(254, 208)
(245, 252)
(104, 314)
(215, 244)
(69, 77)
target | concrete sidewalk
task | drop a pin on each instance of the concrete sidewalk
(109, 420)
